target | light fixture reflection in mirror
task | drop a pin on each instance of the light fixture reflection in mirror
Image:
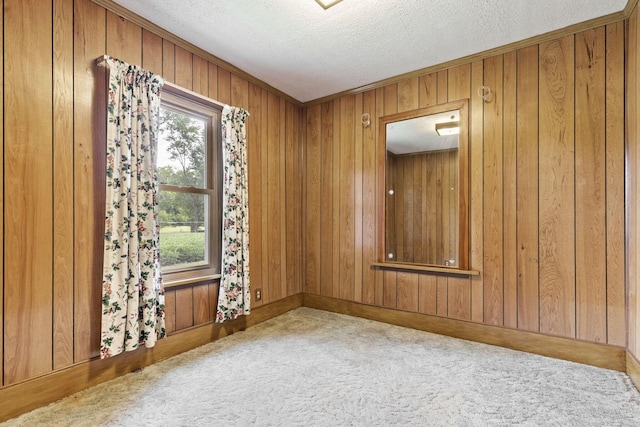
(426, 191)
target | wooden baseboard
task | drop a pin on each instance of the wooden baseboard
(23, 397)
(633, 369)
(601, 355)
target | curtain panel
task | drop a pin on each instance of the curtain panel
(234, 298)
(132, 291)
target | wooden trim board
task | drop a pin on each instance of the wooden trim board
(600, 355)
(633, 369)
(23, 397)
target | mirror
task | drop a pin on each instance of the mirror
(424, 219)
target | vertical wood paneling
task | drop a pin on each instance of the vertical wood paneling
(369, 198)
(347, 191)
(615, 183)
(379, 175)
(476, 199)
(170, 311)
(201, 302)
(326, 199)
(336, 187)
(557, 199)
(184, 68)
(407, 291)
(53, 173)
(493, 194)
(62, 184)
(313, 207)
(264, 187)
(458, 298)
(408, 95)
(459, 292)
(442, 297)
(213, 81)
(201, 76)
(591, 248)
(239, 92)
(358, 199)
(293, 201)
(224, 86)
(282, 200)
(168, 61)
(184, 308)
(89, 128)
(633, 162)
(274, 213)
(428, 90)
(443, 95)
(151, 52)
(214, 290)
(427, 294)
(124, 39)
(28, 171)
(390, 291)
(2, 205)
(509, 161)
(254, 160)
(527, 188)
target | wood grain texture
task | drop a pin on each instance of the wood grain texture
(152, 52)
(312, 233)
(358, 199)
(557, 200)
(274, 211)
(89, 128)
(2, 207)
(201, 76)
(184, 68)
(590, 171)
(28, 201)
(633, 161)
(527, 188)
(184, 308)
(336, 188)
(347, 199)
(493, 195)
(326, 199)
(62, 185)
(476, 190)
(408, 95)
(407, 291)
(428, 90)
(615, 184)
(170, 311)
(369, 199)
(124, 39)
(201, 304)
(509, 189)
(254, 160)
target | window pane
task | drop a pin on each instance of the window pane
(183, 230)
(181, 149)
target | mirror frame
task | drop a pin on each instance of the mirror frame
(463, 186)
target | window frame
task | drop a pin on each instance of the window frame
(184, 101)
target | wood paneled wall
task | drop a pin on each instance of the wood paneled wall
(633, 182)
(53, 171)
(547, 191)
(422, 213)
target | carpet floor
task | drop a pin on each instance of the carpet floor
(314, 368)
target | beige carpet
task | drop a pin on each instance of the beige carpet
(313, 368)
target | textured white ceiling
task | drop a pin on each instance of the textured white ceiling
(308, 52)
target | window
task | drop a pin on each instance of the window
(189, 173)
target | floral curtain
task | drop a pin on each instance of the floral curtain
(132, 291)
(234, 298)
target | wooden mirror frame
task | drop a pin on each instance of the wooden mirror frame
(463, 186)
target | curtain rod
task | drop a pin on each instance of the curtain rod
(178, 90)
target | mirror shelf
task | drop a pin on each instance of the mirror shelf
(424, 268)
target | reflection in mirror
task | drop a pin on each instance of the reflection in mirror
(425, 193)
